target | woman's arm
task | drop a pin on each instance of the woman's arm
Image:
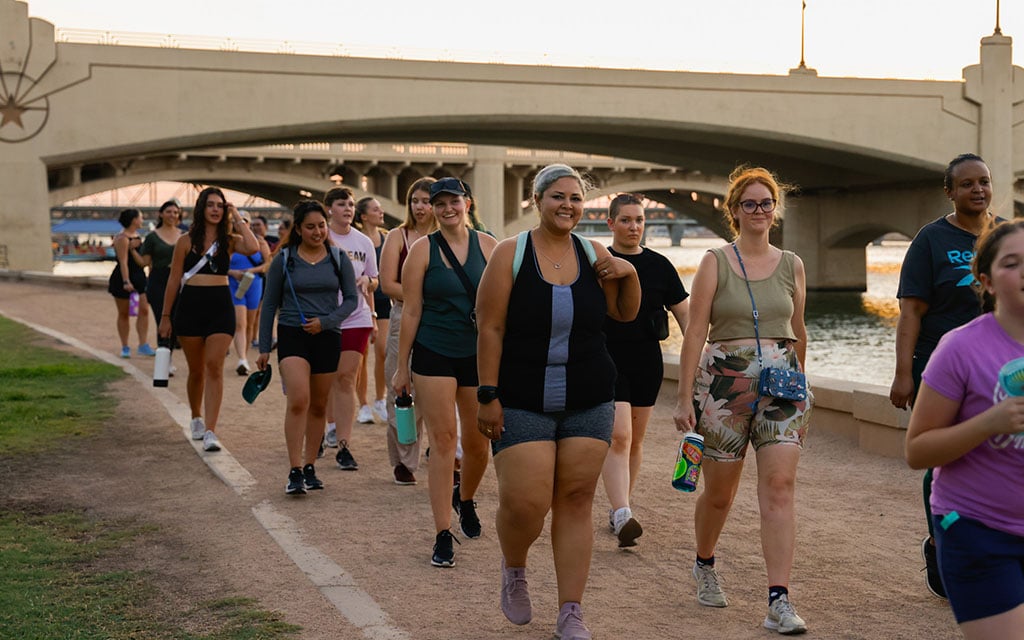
(705, 283)
(413, 272)
(142, 259)
(389, 284)
(799, 306)
(491, 314)
(264, 251)
(181, 248)
(620, 283)
(681, 311)
(121, 250)
(268, 311)
(932, 438)
(243, 240)
(908, 328)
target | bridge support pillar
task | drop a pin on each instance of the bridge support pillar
(488, 185)
(24, 214)
(805, 233)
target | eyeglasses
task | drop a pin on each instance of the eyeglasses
(751, 206)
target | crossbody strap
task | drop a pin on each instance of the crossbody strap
(760, 360)
(457, 268)
(199, 264)
(288, 279)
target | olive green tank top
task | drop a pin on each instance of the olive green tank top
(732, 316)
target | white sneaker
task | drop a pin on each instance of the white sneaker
(627, 529)
(198, 428)
(782, 618)
(709, 586)
(365, 415)
(210, 442)
(381, 407)
(331, 438)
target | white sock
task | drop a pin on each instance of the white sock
(331, 427)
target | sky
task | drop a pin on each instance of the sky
(914, 39)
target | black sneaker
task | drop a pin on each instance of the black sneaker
(931, 565)
(469, 522)
(345, 460)
(456, 497)
(320, 450)
(312, 482)
(444, 552)
(296, 483)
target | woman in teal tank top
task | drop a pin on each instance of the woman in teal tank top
(439, 332)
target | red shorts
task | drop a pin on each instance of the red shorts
(355, 339)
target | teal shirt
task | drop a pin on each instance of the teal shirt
(445, 325)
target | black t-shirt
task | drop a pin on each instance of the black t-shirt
(937, 269)
(660, 288)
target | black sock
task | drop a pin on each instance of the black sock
(706, 562)
(774, 592)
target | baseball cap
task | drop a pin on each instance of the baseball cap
(257, 382)
(448, 185)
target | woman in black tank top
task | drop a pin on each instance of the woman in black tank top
(547, 388)
(204, 319)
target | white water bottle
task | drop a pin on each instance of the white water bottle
(161, 366)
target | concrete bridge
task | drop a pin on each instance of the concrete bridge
(866, 154)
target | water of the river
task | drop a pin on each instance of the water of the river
(850, 335)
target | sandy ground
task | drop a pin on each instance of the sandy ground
(858, 571)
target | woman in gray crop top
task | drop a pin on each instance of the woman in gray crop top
(718, 375)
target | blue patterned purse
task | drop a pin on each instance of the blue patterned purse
(785, 384)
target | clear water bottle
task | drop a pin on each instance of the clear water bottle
(405, 419)
(687, 471)
(161, 366)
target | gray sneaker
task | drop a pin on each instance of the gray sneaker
(198, 428)
(331, 438)
(570, 623)
(782, 617)
(709, 589)
(210, 442)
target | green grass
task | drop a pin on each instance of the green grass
(50, 588)
(47, 395)
(52, 584)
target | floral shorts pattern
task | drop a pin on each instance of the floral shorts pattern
(729, 412)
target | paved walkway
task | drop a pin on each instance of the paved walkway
(363, 545)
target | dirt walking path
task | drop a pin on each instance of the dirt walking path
(857, 572)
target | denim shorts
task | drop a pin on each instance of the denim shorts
(530, 426)
(731, 414)
(982, 568)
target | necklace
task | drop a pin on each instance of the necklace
(558, 265)
(315, 255)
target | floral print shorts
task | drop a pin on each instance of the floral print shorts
(730, 414)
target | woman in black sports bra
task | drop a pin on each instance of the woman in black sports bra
(204, 320)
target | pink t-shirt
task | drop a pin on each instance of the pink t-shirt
(360, 252)
(986, 484)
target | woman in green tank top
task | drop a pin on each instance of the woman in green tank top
(718, 397)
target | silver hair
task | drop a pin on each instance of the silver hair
(549, 174)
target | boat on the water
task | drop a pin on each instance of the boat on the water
(84, 240)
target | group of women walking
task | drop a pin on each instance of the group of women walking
(542, 353)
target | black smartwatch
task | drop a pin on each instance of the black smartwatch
(486, 393)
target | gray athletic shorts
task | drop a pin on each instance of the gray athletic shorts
(529, 426)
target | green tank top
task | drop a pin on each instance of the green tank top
(732, 316)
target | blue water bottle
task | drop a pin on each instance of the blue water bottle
(687, 471)
(405, 419)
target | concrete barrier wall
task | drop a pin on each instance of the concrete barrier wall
(857, 411)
